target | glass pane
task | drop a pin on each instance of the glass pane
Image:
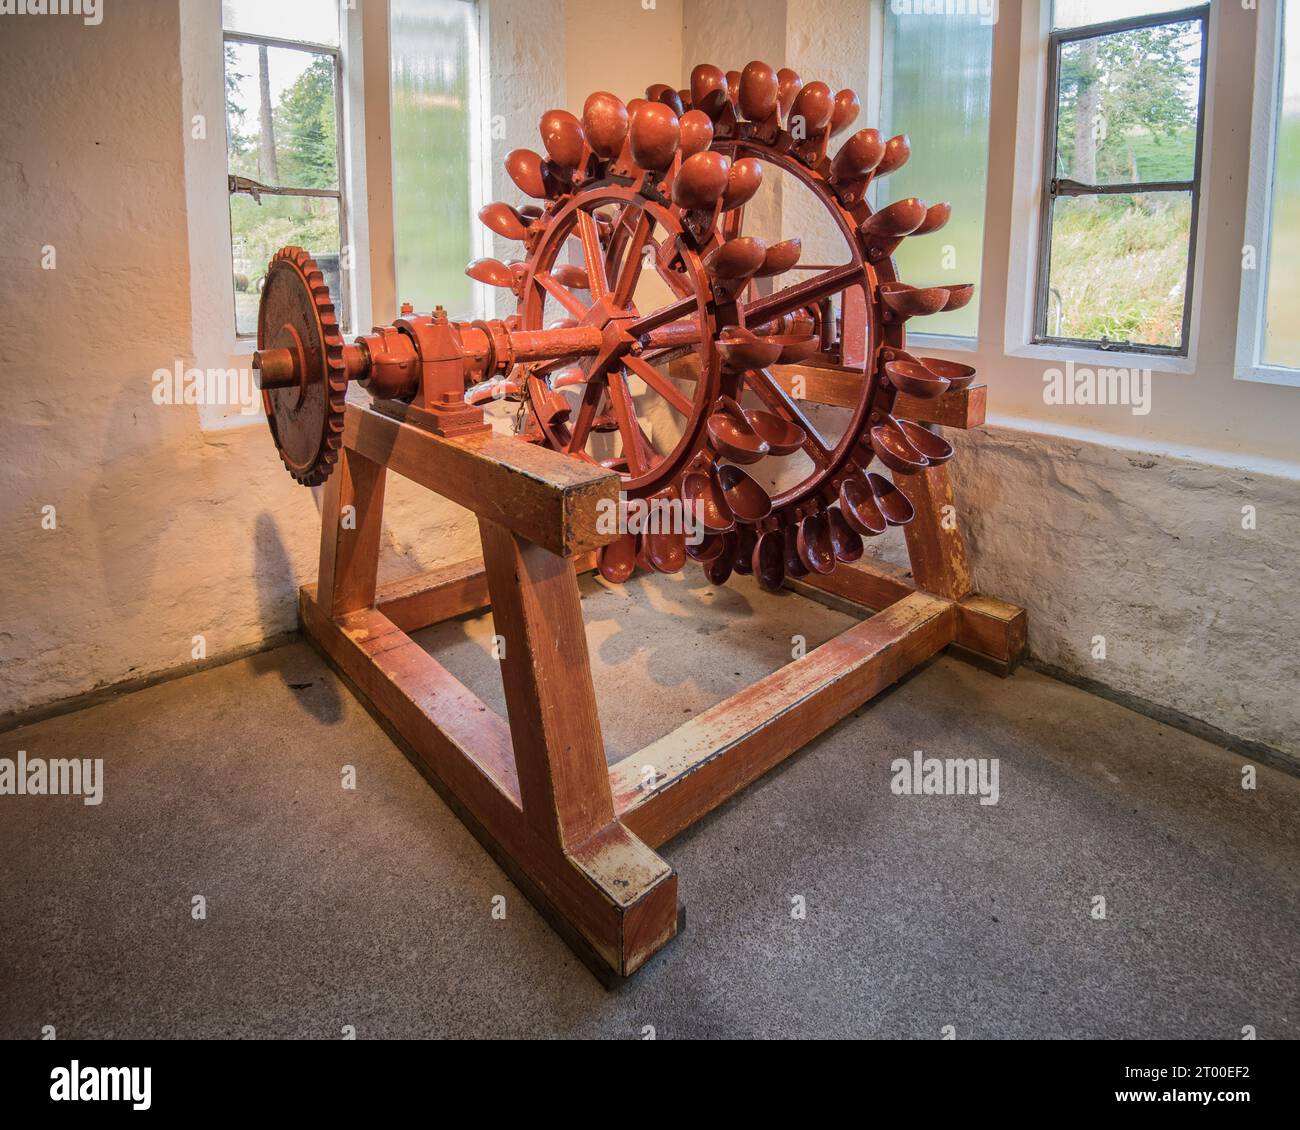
(1078, 13)
(1128, 106)
(1118, 269)
(280, 121)
(1281, 344)
(433, 56)
(257, 231)
(937, 92)
(309, 21)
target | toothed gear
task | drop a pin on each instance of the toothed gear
(297, 313)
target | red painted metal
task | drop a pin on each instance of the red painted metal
(635, 257)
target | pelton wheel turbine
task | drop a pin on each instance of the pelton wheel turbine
(658, 189)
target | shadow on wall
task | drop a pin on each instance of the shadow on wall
(277, 588)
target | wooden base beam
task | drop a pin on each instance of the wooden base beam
(671, 783)
(991, 631)
(442, 594)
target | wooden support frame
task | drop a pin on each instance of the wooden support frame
(577, 835)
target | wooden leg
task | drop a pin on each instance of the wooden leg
(351, 518)
(934, 543)
(611, 897)
(559, 751)
(534, 790)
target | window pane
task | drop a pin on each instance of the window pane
(1078, 13)
(1281, 344)
(433, 56)
(280, 116)
(937, 76)
(259, 230)
(1119, 268)
(310, 21)
(1128, 106)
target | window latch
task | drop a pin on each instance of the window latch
(246, 184)
(1065, 186)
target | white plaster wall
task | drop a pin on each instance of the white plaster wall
(1147, 550)
(621, 46)
(525, 43)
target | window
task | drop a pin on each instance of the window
(437, 152)
(1121, 174)
(1268, 336)
(284, 145)
(937, 74)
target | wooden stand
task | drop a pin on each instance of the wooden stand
(576, 835)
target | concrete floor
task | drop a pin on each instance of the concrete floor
(373, 907)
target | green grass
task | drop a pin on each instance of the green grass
(1119, 265)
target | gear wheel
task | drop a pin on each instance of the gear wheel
(306, 414)
(696, 409)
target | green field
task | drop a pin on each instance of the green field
(1118, 268)
(1119, 263)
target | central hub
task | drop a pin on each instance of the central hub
(612, 321)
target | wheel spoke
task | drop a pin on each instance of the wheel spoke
(592, 256)
(682, 308)
(769, 391)
(562, 295)
(635, 443)
(630, 271)
(591, 397)
(660, 384)
(806, 293)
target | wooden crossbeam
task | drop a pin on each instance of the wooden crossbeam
(441, 594)
(550, 499)
(671, 783)
(989, 629)
(829, 384)
(841, 387)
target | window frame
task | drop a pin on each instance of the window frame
(1265, 119)
(1050, 186)
(242, 185)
